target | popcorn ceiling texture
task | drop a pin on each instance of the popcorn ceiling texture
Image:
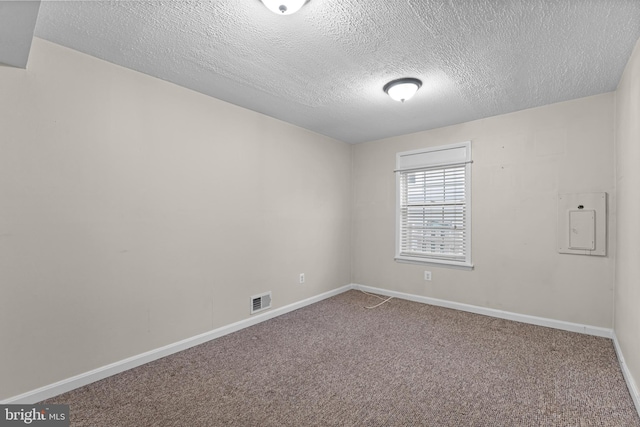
(323, 68)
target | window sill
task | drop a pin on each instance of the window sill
(445, 264)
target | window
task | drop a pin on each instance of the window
(433, 219)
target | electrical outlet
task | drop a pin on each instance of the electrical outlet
(427, 275)
(301, 278)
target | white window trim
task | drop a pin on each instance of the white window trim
(439, 156)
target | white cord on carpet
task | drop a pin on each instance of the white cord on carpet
(377, 296)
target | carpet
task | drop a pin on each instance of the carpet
(336, 363)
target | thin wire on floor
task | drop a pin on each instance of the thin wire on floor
(377, 296)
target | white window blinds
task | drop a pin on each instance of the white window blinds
(433, 212)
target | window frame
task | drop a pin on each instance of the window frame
(434, 158)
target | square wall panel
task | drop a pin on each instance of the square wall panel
(582, 224)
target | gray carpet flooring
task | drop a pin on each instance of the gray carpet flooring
(336, 363)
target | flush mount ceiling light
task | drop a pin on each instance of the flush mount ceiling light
(402, 89)
(284, 7)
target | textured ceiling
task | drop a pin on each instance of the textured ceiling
(324, 68)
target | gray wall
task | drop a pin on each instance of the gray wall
(521, 161)
(627, 296)
(136, 213)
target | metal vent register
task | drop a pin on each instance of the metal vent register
(260, 302)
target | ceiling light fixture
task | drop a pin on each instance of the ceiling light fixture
(284, 7)
(402, 89)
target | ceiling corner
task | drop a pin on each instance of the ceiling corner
(17, 24)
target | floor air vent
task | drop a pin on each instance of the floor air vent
(260, 302)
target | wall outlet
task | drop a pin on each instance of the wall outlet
(301, 278)
(427, 275)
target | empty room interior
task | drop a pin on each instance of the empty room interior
(216, 178)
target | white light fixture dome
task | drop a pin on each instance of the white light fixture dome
(402, 89)
(284, 7)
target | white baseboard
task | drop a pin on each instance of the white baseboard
(631, 384)
(83, 379)
(524, 318)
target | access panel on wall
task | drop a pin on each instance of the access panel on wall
(582, 224)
